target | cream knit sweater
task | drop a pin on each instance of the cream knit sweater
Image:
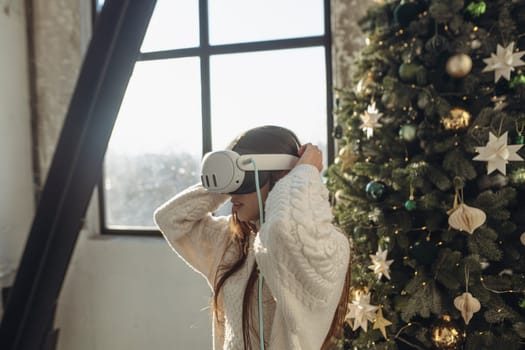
(302, 256)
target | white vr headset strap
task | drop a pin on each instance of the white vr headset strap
(223, 171)
(266, 161)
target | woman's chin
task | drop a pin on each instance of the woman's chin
(243, 217)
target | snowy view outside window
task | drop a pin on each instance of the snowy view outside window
(156, 145)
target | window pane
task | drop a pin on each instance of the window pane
(156, 146)
(285, 87)
(99, 4)
(233, 21)
(173, 25)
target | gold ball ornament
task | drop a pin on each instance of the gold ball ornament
(446, 335)
(365, 85)
(458, 66)
(457, 119)
(522, 238)
(346, 157)
(341, 197)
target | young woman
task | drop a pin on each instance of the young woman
(302, 256)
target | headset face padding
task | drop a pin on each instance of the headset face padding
(248, 185)
(228, 172)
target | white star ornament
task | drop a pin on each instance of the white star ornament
(380, 265)
(504, 61)
(361, 311)
(497, 153)
(370, 120)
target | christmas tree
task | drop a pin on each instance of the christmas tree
(429, 181)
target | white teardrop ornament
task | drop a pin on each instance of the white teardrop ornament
(468, 305)
(466, 218)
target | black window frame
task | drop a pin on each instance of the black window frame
(204, 51)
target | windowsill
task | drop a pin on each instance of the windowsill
(123, 235)
(95, 232)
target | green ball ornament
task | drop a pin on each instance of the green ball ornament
(410, 205)
(375, 190)
(408, 72)
(412, 73)
(517, 81)
(389, 100)
(408, 132)
(476, 8)
(519, 139)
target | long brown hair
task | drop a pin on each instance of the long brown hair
(266, 139)
(335, 332)
(240, 237)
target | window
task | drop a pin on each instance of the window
(208, 70)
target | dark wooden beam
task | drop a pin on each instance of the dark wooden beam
(74, 171)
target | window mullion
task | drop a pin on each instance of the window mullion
(205, 76)
(329, 82)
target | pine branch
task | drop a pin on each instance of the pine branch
(456, 164)
(483, 243)
(498, 311)
(438, 178)
(519, 327)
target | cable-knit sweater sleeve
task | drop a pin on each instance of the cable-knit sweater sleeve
(302, 255)
(198, 237)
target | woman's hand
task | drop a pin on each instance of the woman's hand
(310, 154)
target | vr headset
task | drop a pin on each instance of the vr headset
(231, 173)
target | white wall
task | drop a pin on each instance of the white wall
(16, 183)
(132, 294)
